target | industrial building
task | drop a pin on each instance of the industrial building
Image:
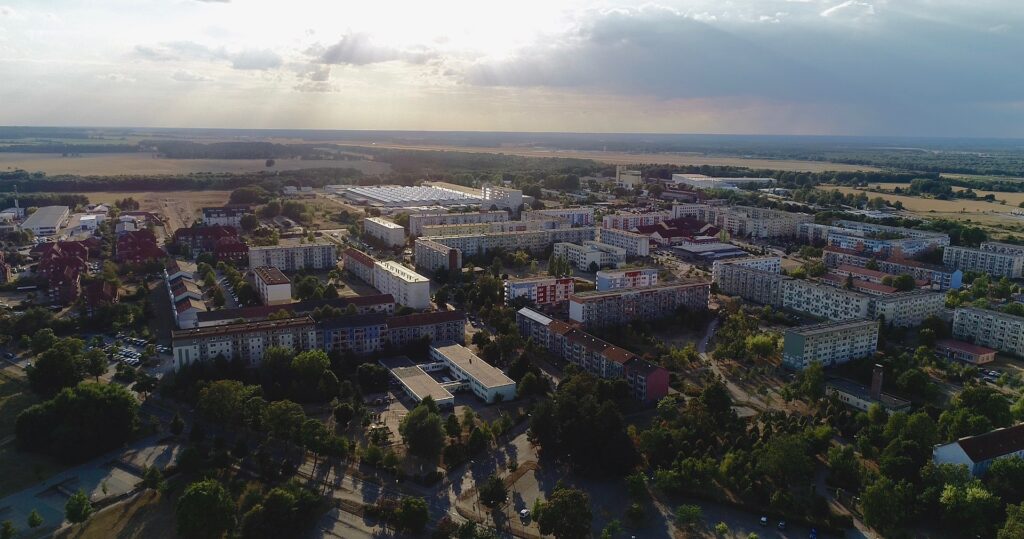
(830, 344)
(47, 220)
(501, 198)
(400, 196)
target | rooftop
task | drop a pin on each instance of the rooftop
(993, 444)
(597, 294)
(286, 243)
(271, 275)
(535, 316)
(484, 373)
(46, 216)
(828, 327)
(421, 319)
(244, 327)
(385, 222)
(359, 256)
(954, 344)
(263, 311)
(421, 384)
(853, 388)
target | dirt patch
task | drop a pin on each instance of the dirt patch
(179, 208)
(147, 514)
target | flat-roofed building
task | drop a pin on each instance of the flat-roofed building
(575, 217)
(388, 232)
(534, 242)
(1002, 248)
(408, 287)
(540, 290)
(991, 262)
(631, 220)
(420, 385)
(824, 301)
(940, 277)
(859, 397)
(616, 307)
(372, 304)
(993, 329)
(418, 221)
(359, 333)
(47, 220)
(358, 264)
(754, 279)
(226, 215)
(627, 278)
(246, 341)
(634, 243)
(830, 344)
(401, 196)
(907, 309)
(273, 286)
(496, 198)
(878, 239)
(438, 326)
(951, 349)
(485, 381)
(295, 255)
(432, 256)
(591, 255)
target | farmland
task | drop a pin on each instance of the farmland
(120, 164)
(629, 158)
(1011, 199)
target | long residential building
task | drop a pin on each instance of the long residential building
(375, 304)
(754, 279)
(634, 243)
(293, 255)
(536, 241)
(907, 309)
(824, 301)
(389, 232)
(575, 217)
(359, 264)
(1002, 248)
(432, 256)
(614, 307)
(540, 290)
(878, 239)
(418, 221)
(745, 221)
(940, 277)
(831, 343)
(627, 278)
(360, 334)
(997, 264)
(408, 287)
(994, 329)
(590, 255)
(630, 221)
(647, 382)
(226, 215)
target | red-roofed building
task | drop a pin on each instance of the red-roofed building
(964, 351)
(138, 247)
(202, 239)
(97, 294)
(54, 257)
(231, 250)
(64, 285)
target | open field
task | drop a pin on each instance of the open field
(117, 164)
(626, 158)
(986, 213)
(179, 208)
(1012, 199)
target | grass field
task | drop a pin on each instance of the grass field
(180, 208)
(1012, 199)
(626, 158)
(992, 214)
(117, 164)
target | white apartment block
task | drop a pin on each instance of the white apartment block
(418, 221)
(432, 256)
(496, 197)
(591, 254)
(831, 343)
(907, 309)
(540, 290)
(753, 222)
(408, 287)
(534, 241)
(630, 278)
(359, 264)
(292, 256)
(771, 264)
(581, 216)
(993, 329)
(823, 301)
(1003, 248)
(246, 341)
(991, 262)
(630, 221)
(634, 244)
(498, 226)
(389, 232)
(614, 307)
(630, 179)
(866, 237)
(700, 212)
(273, 286)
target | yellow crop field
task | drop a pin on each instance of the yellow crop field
(988, 213)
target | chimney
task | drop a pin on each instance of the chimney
(876, 381)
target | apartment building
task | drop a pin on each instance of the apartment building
(359, 334)
(830, 343)
(753, 279)
(907, 309)
(535, 242)
(635, 244)
(390, 233)
(196, 240)
(575, 217)
(700, 212)
(273, 286)
(246, 341)
(824, 301)
(375, 304)
(408, 287)
(996, 264)
(295, 255)
(498, 198)
(630, 221)
(540, 290)
(878, 239)
(762, 223)
(630, 278)
(438, 326)
(226, 215)
(359, 264)
(487, 382)
(432, 256)
(591, 255)
(1002, 248)
(605, 308)
(992, 329)
(498, 226)
(940, 277)
(647, 382)
(418, 221)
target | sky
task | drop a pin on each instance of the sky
(840, 67)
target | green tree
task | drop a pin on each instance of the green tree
(205, 510)
(886, 504)
(412, 515)
(61, 365)
(7, 530)
(1005, 478)
(422, 430)
(970, 509)
(493, 491)
(43, 340)
(152, 478)
(177, 424)
(687, 516)
(79, 508)
(566, 514)
(35, 519)
(1014, 526)
(96, 363)
(222, 401)
(249, 222)
(452, 427)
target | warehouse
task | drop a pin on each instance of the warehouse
(398, 196)
(47, 221)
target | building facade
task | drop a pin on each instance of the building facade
(540, 290)
(358, 264)
(495, 197)
(432, 256)
(630, 278)
(418, 221)
(615, 307)
(246, 341)
(390, 233)
(590, 255)
(534, 242)
(293, 256)
(630, 221)
(997, 264)
(273, 286)
(488, 383)
(992, 329)
(408, 287)
(979, 452)
(574, 217)
(226, 215)
(951, 349)
(940, 277)
(635, 244)
(830, 344)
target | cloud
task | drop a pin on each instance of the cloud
(7, 11)
(260, 59)
(214, 1)
(360, 49)
(183, 75)
(852, 8)
(246, 59)
(118, 78)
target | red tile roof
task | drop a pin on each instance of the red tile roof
(974, 349)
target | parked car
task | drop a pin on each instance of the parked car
(782, 525)
(764, 521)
